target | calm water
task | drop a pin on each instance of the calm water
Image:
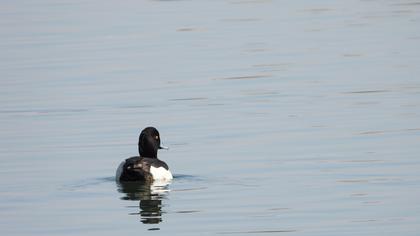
(283, 117)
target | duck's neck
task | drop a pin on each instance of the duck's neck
(148, 153)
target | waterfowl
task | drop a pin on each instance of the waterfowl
(146, 167)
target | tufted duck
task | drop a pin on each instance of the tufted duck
(146, 167)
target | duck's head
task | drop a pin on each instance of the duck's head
(149, 142)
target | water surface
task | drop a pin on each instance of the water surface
(283, 117)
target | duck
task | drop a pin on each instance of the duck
(146, 167)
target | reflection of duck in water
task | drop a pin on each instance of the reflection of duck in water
(145, 177)
(150, 197)
(146, 167)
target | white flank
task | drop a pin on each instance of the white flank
(160, 173)
(119, 171)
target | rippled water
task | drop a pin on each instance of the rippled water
(282, 117)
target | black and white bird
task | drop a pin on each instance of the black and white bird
(146, 167)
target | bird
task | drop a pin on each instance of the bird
(146, 167)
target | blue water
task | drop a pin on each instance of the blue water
(282, 117)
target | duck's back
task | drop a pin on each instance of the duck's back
(143, 169)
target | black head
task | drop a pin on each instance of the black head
(149, 142)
